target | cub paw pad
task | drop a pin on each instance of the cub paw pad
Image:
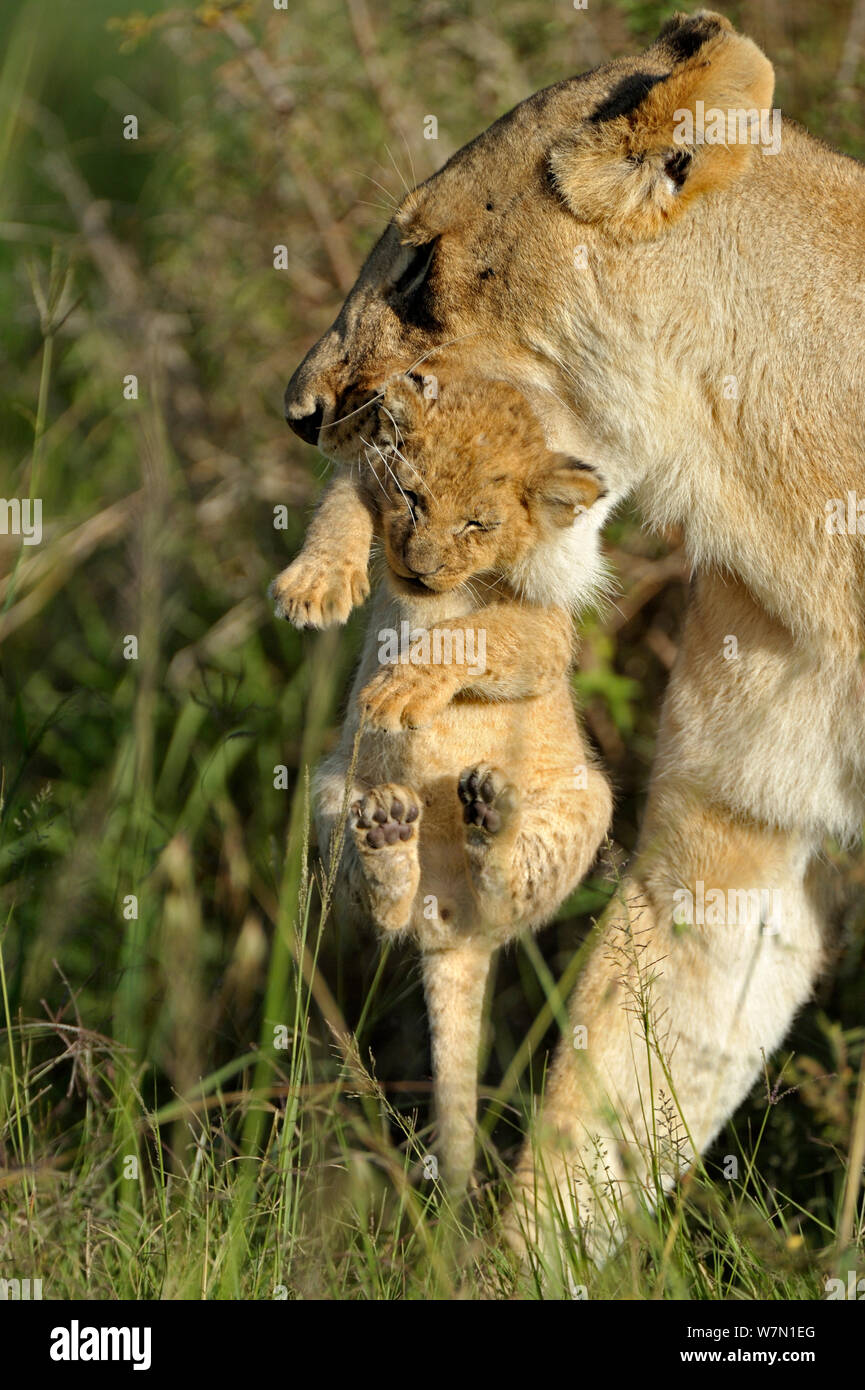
(488, 799)
(387, 815)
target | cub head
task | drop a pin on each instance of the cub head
(466, 488)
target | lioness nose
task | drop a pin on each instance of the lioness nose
(304, 421)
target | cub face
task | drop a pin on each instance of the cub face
(464, 483)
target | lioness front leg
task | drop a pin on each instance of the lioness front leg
(670, 1023)
(524, 856)
(384, 825)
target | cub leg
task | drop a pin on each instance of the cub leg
(454, 983)
(383, 824)
(520, 862)
(525, 854)
(329, 576)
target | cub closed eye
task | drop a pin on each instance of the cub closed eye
(481, 525)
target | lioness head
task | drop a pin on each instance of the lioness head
(555, 252)
(465, 486)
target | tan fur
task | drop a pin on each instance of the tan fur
(692, 326)
(411, 863)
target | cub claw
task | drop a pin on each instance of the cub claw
(309, 594)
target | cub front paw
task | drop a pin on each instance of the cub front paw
(386, 815)
(401, 697)
(315, 593)
(489, 800)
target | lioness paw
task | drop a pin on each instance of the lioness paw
(402, 697)
(384, 816)
(489, 800)
(315, 593)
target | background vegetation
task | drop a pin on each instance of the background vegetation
(158, 1136)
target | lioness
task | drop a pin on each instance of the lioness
(686, 315)
(475, 806)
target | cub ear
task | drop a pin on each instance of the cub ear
(658, 141)
(403, 398)
(563, 489)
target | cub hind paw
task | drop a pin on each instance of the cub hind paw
(385, 816)
(489, 800)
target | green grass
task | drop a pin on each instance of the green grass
(161, 910)
(134, 1199)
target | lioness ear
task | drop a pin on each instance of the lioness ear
(656, 142)
(562, 489)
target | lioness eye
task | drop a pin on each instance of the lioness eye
(413, 275)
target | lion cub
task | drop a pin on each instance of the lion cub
(474, 807)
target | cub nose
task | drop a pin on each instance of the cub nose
(422, 574)
(305, 422)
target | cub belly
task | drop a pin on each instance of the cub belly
(537, 745)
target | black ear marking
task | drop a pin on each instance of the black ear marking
(676, 166)
(625, 97)
(682, 39)
(485, 274)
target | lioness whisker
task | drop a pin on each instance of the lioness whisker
(401, 455)
(400, 174)
(372, 466)
(394, 202)
(379, 395)
(379, 207)
(396, 480)
(397, 435)
(340, 418)
(438, 347)
(399, 486)
(423, 482)
(410, 160)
